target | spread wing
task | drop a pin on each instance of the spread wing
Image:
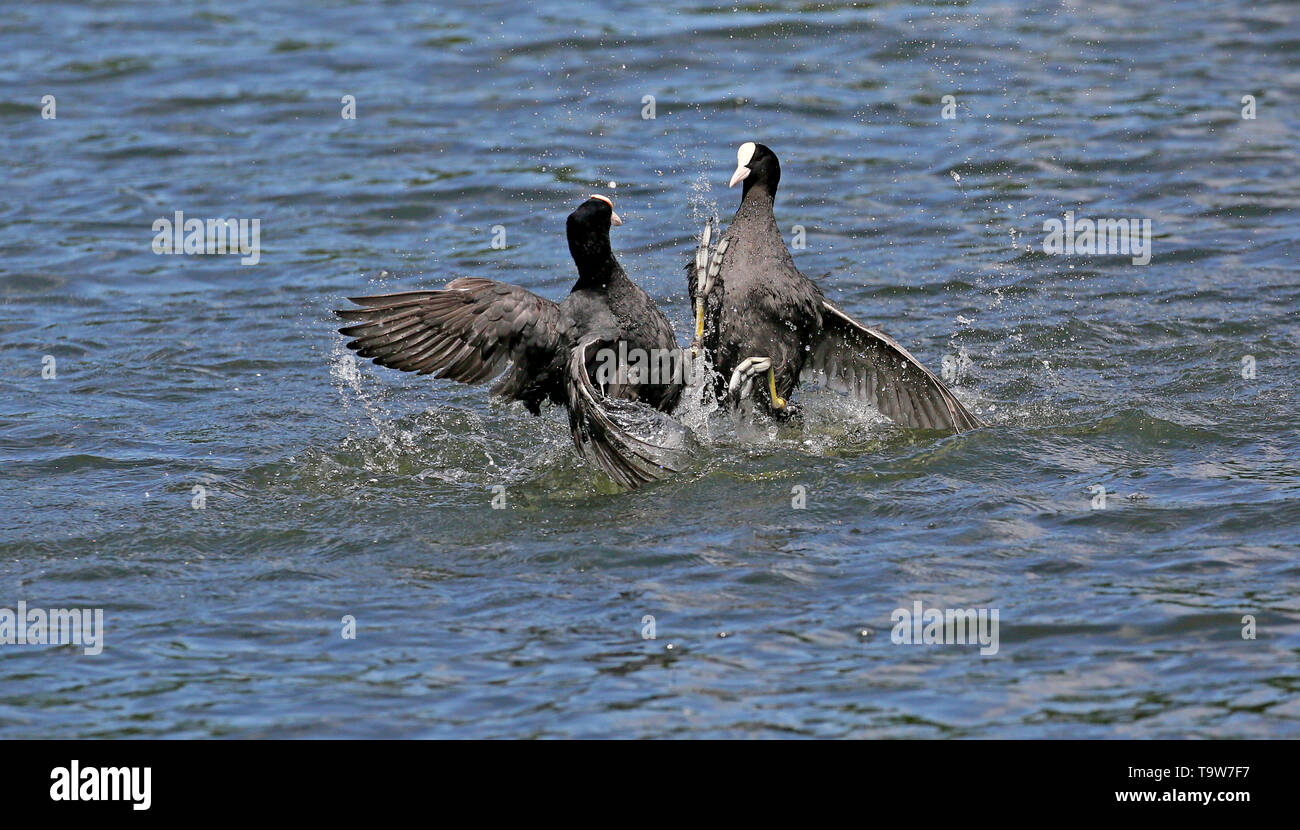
(870, 366)
(633, 442)
(468, 331)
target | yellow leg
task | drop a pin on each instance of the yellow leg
(699, 326)
(777, 400)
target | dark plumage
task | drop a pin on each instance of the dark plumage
(759, 304)
(476, 329)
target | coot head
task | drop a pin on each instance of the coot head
(756, 166)
(588, 231)
(595, 214)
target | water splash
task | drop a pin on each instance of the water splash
(345, 373)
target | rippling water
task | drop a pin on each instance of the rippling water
(335, 488)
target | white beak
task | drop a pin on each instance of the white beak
(614, 218)
(742, 173)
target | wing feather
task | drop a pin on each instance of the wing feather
(631, 441)
(468, 332)
(872, 367)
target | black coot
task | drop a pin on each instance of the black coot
(768, 327)
(476, 329)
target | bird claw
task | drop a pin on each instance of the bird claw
(702, 258)
(708, 264)
(741, 385)
(715, 265)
